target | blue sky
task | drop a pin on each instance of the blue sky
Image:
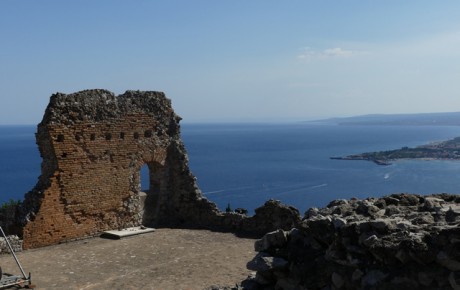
(237, 60)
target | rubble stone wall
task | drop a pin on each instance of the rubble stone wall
(400, 241)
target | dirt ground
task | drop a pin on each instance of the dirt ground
(167, 259)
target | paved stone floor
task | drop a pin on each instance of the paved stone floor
(168, 259)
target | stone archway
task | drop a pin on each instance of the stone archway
(152, 197)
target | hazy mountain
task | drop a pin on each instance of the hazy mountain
(433, 119)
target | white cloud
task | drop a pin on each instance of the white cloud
(310, 54)
(337, 52)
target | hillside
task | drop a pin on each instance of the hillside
(425, 119)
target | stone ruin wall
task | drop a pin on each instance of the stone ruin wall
(93, 146)
(401, 241)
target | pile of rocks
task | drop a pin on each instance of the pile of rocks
(272, 215)
(392, 242)
(15, 242)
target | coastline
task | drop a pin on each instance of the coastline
(376, 161)
(444, 150)
(390, 161)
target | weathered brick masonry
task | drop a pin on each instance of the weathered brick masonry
(93, 145)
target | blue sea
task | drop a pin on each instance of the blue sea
(246, 164)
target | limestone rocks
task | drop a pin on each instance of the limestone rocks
(272, 215)
(393, 242)
(14, 241)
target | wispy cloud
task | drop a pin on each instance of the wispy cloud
(309, 53)
(337, 52)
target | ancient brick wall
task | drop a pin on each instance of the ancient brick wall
(93, 145)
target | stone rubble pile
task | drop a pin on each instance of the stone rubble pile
(15, 242)
(272, 215)
(394, 242)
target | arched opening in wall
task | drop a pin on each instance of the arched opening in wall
(145, 178)
(152, 189)
(144, 188)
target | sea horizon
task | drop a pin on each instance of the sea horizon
(246, 164)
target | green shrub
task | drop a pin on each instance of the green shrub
(9, 204)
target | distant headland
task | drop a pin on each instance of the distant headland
(446, 150)
(423, 119)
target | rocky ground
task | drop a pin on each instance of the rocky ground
(168, 259)
(400, 241)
